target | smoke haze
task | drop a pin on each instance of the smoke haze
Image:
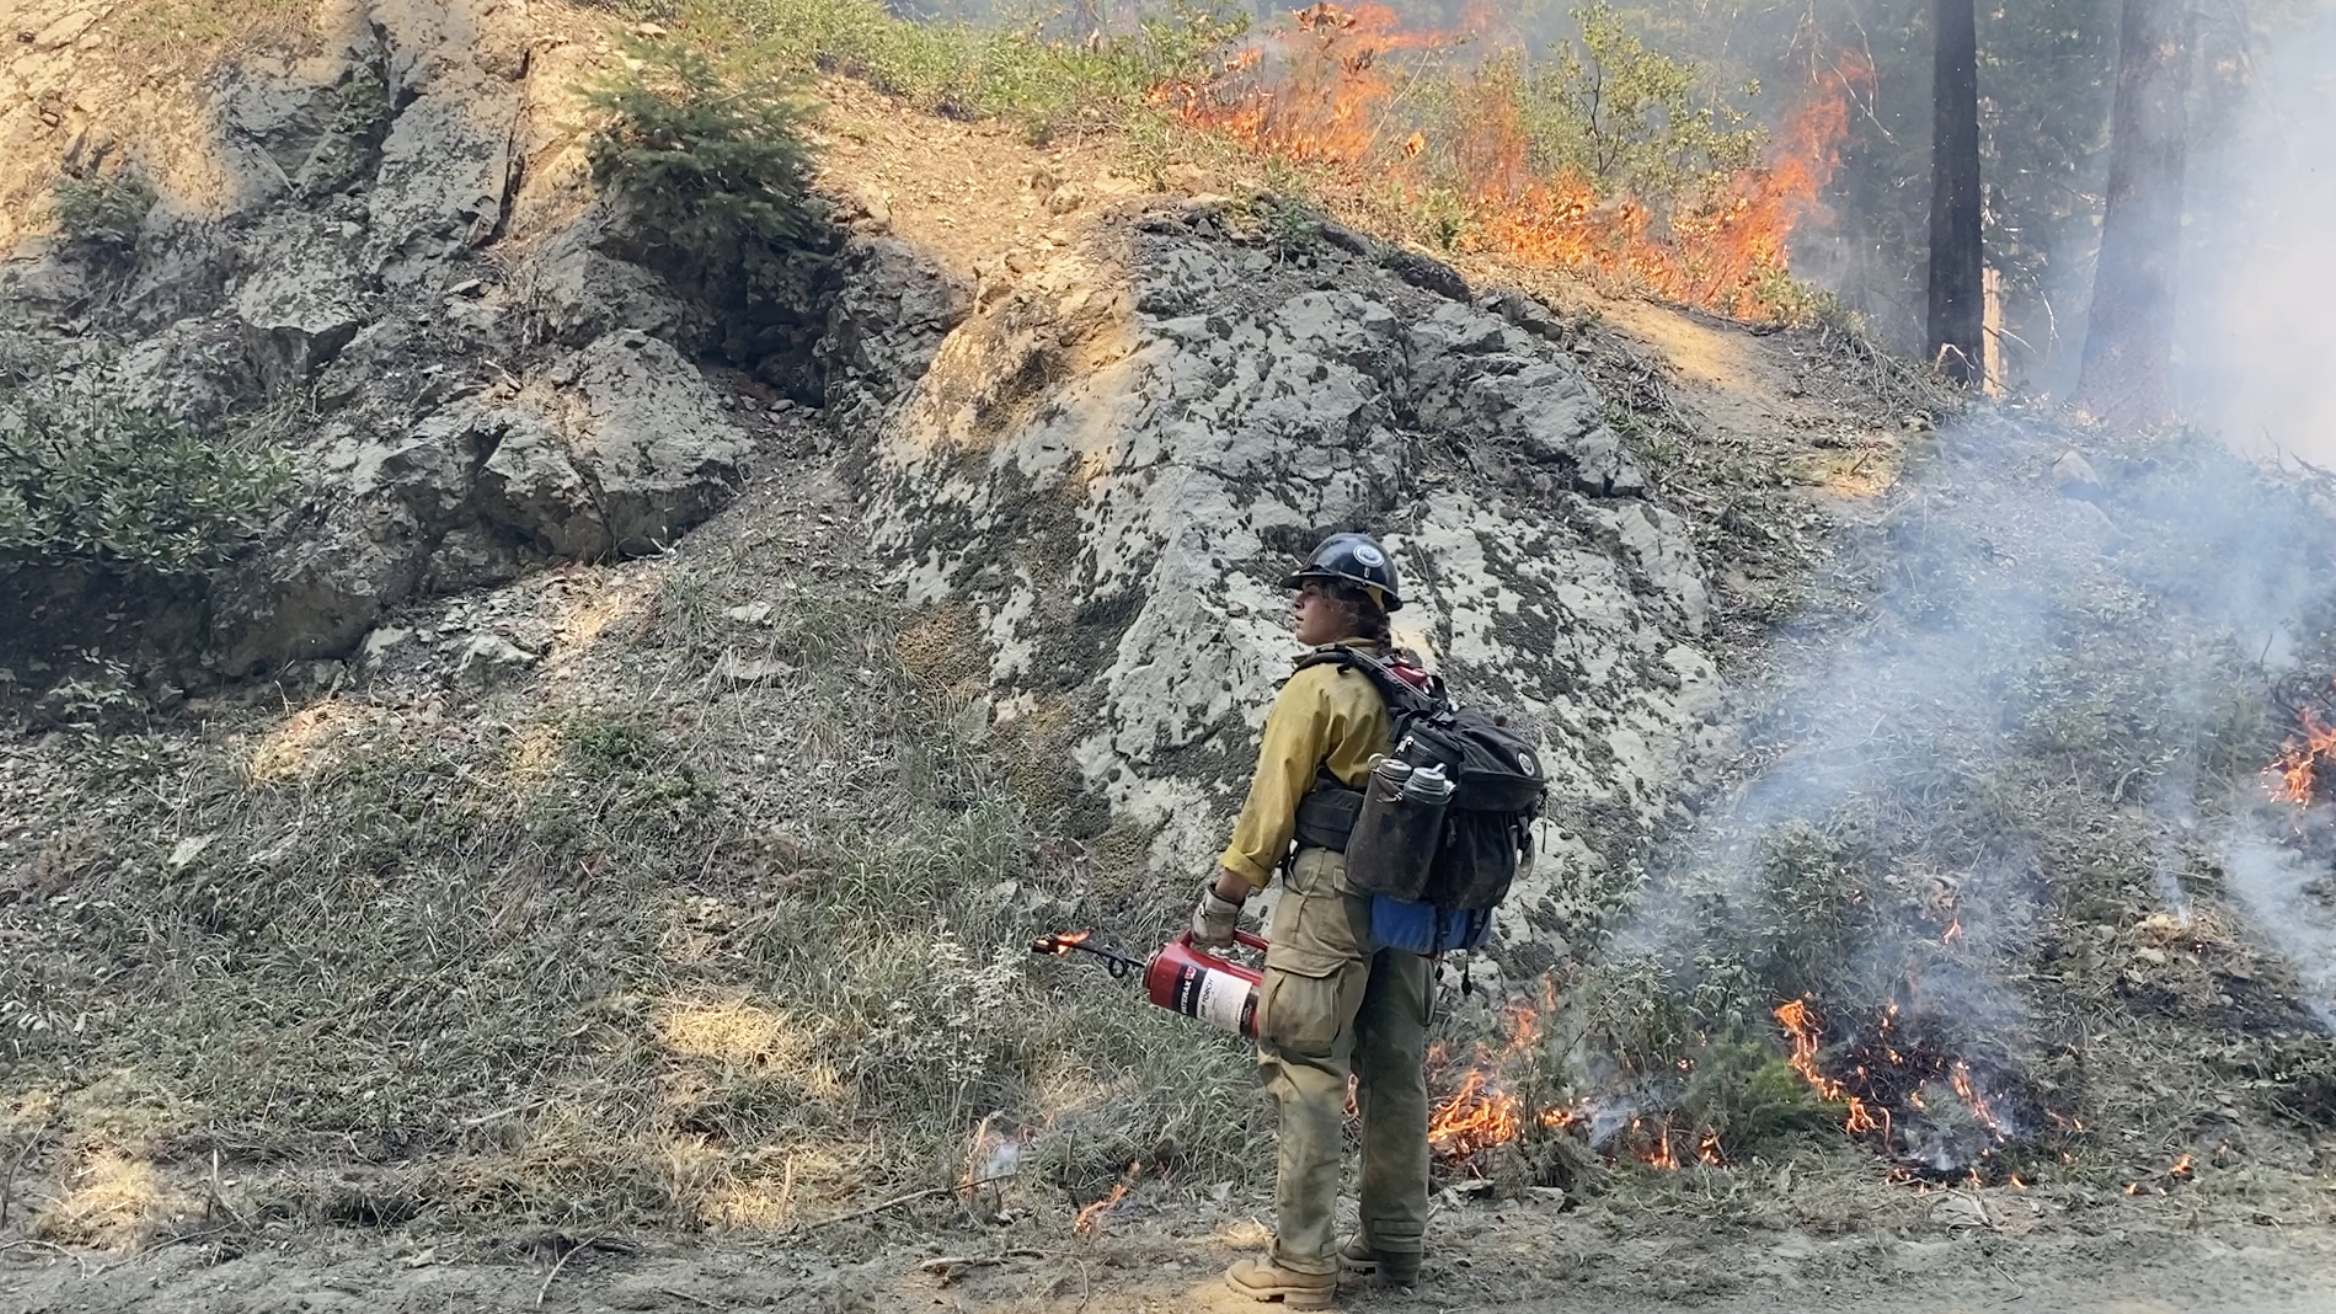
(2260, 349)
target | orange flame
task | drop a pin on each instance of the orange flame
(1801, 1031)
(1661, 1156)
(2300, 758)
(1476, 1117)
(1970, 1094)
(1328, 97)
(1480, 1114)
(1091, 1217)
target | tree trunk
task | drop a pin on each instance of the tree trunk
(1957, 299)
(2128, 366)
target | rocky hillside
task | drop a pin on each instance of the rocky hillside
(372, 242)
(611, 792)
(381, 251)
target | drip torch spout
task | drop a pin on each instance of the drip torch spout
(1058, 943)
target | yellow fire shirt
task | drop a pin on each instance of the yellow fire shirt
(1323, 714)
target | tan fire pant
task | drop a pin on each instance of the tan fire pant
(1333, 1000)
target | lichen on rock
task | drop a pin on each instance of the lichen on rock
(1118, 455)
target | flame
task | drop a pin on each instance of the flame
(1091, 1217)
(1476, 1116)
(1061, 942)
(1661, 1156)
(2300, 758)
(1801, 1030)
(1482, 1112)
(1327, 92)
(1970, 1094)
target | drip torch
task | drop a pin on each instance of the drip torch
(1180, 978)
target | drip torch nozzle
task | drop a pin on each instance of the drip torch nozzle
(1057, 943)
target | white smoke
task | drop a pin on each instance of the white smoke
(2258, 339)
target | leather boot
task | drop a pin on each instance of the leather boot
(1263, 1280)
(1393, 1268)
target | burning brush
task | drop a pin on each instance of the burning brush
(2306, 770)
(1934, 1115)
(1334, 91)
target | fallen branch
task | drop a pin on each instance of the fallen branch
(560, 1263)
(952, 1267)
(78, 1261)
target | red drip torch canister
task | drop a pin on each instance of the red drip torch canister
(1201, 985)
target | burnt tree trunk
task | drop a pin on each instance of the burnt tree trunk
(2127, 375)
(1958, 301)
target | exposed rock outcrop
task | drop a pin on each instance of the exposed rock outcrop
(389, 249)
(1119, 454)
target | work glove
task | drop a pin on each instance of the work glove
(1213, 920)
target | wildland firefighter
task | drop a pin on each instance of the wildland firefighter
(1332, 1000)
(1400, 820)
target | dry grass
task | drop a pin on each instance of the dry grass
(188, 33)
(637, 945)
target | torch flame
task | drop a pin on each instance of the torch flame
(1062, 942)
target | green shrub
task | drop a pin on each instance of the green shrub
(713, 168)
(105, 209)
(88, 476)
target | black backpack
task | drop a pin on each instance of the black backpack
(1498, 787)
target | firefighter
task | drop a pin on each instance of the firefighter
(1332, 1001)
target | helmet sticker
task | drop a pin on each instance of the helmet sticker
(1368, 555)
(1526, 763)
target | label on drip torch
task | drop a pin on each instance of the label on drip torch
(1221, 999)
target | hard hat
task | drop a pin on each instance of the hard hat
(1354, 559)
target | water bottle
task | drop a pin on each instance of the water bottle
(1395, 839)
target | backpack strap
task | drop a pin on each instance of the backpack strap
(1402, 697)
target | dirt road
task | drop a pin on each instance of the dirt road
(2160, 1258)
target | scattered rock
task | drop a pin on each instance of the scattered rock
(380, 644)
(753, 613)
(184, 853)
(489, 659)
(2074, 476)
